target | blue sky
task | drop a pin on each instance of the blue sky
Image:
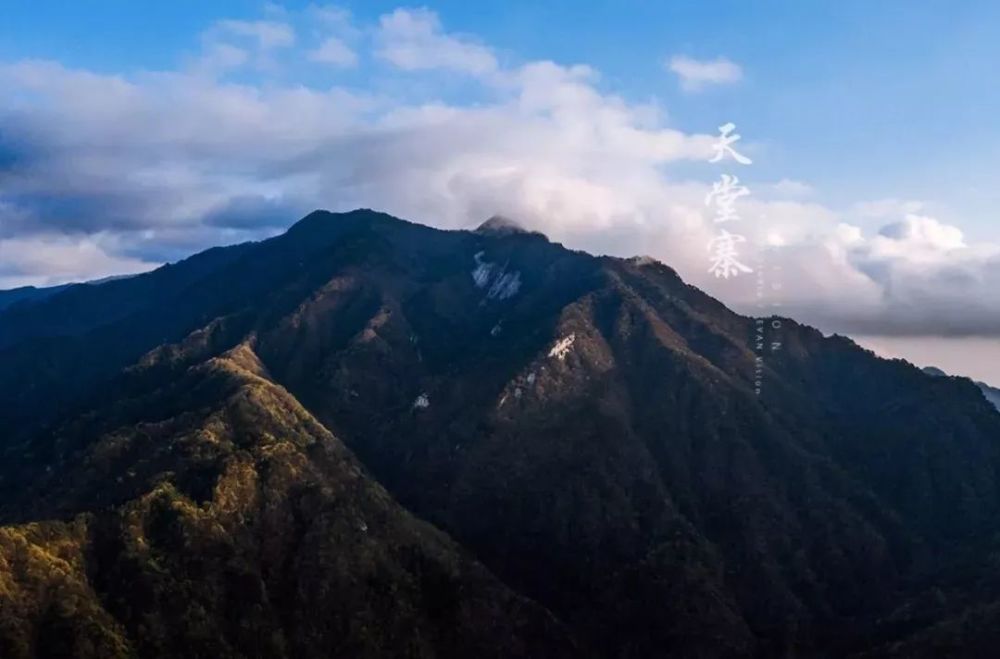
(861, 99)
(137, 133)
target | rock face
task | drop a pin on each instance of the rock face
(341, 442)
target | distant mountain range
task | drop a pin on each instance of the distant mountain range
(992, 393)
(370, 438)
(28, 294)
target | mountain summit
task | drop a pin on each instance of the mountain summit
(370, 438)
(502, 225)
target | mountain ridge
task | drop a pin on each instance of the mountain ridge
(586, 428)
(992, 394)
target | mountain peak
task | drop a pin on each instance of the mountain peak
(502, 225)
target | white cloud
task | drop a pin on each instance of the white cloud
(217, 58)
(231, 44)
(920, 233)
(336, 35)
(412, 40)
(696, 74)
(921, 276)
(161, 164)
(334, 18)
(53, 259)
(335, 52)
(267, 34)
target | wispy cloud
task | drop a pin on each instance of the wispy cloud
(887, 207)
(413, 39)
(335, 52)
(696, 74)
(791, 188)
(231, 44)
(336, 34)
(267, 34)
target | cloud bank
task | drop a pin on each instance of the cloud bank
(105, 174)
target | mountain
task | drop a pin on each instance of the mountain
(371, 438)
(30, 294)
(237, 526)
(27, 294)
(992, 393)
